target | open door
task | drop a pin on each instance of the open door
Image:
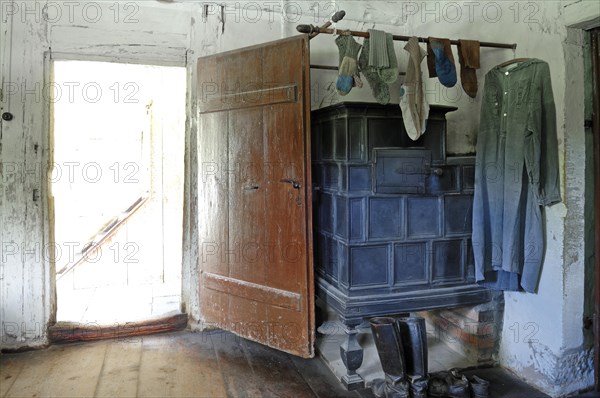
(254, 201)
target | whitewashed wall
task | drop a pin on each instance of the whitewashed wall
(31, 34)
(541, 331)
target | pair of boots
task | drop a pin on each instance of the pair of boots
(456, 385)
(402, 347)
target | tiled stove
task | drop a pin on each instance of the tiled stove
(392, 219)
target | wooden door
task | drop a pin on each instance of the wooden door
(254, 202)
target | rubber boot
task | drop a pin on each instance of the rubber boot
(419, 387)
(414, 337)
(438, 386)
(479, 387)
(458, 385)
(391, 354)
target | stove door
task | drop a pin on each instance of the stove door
(402, 170)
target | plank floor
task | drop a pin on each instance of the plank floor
(181, 364)
(185, 364)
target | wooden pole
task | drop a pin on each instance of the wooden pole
(338, 16)
(310, 29)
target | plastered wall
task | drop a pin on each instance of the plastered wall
(540, 332)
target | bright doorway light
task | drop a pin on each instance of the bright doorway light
(117, 189)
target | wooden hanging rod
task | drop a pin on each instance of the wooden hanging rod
(331, 67)
(311, 29)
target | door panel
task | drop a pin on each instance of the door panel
(246, 196)
(285, 203)
(256, 271)
(212, 206)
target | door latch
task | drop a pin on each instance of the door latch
(295, 184)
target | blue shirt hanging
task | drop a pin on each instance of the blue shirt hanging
(516, 174)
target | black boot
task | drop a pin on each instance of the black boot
(458, 385)
(414, 339)
(391, 354)
(438, 386)
(479, 387)
(419, 387)
(450, 384)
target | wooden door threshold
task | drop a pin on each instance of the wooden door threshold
(67, 332)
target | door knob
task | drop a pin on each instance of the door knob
(294, 183)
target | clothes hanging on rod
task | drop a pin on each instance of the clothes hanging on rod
(348, 76)
(311, 29)
(440, 61)
(379, 64)
(415, 109)
(468, 57)
(333, 67)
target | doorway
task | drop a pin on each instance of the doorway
(116, 190)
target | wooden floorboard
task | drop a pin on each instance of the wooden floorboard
(505, 385)
(185, 364)
(238, 375)
(181, 366)
(121, 369)
(320, 379)
(10, 369)
(276, 374)
(198, 373)
(61, 372)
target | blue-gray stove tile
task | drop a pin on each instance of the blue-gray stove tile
(369, 266)
(340, 151)
(384, 133)
(468, 177)
(325, 212)
(357, 147)
(411, 263)
(326, 140)
(386, 218)
(331, 176)
(341, 217)
(357, 219)
(458, 214)
(448, 261)
(359, 178)
(423, 215)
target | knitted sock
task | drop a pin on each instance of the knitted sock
(380, 89)
(349, 49)
(444, 63)
(468, 57)
(390, 74)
